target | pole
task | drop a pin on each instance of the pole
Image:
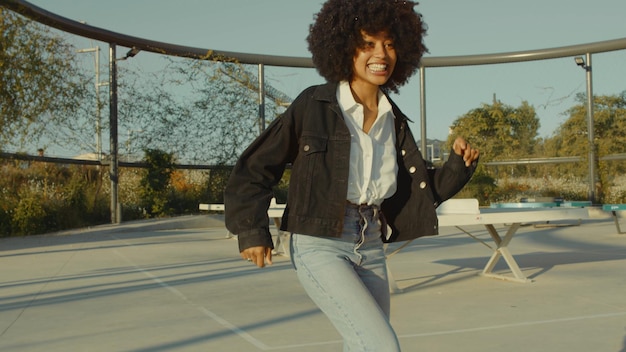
(423, 134)
(590, 133)
(261, 98)
(98, 107)
(113, 133)
(96, 51)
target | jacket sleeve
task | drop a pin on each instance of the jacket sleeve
(451, 177)
(249, 189)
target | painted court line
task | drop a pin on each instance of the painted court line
(223, 322)
(514, 325)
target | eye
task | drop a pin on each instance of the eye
(389, 45)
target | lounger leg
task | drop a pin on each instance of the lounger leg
(393, 285)
(619, 229)
(281, 246)
(502, 251)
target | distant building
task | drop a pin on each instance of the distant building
(435, 150)
(86, 156)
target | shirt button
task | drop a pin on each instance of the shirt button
(412, 169)
(307, 148)
(422, 185)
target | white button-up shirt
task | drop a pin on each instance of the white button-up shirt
(373, 165)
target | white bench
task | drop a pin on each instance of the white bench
(614, 208)
(211, 207)
(458, 213)
(464, 212)
(275, 212)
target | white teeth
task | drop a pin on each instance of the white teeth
(377, 67)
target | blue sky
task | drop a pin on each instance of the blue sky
(456, 27)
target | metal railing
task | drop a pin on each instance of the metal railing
(135, 43)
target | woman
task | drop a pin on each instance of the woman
(358, 178)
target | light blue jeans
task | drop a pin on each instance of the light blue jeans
(347, 278)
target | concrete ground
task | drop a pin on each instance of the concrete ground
(179, 285)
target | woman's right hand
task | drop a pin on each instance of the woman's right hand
(258, 255)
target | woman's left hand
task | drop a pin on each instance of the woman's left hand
(464, 149)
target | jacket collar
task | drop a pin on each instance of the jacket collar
(328, 92)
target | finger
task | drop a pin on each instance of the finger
(268, 255)
(467, 156)
(463, 145)
(475, 154)
(473, 157)
(460, 146)
(457, 147)
(259, 261)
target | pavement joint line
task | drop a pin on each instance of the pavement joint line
(303, 345)
(36, 296)
(223, 322)
(514, 325)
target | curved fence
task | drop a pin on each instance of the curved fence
(140, 44)
(45, 17)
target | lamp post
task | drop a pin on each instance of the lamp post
(261, 98)
(113, 172)
(96, 51)
(590, 126)
(116, 212)
(424, 137)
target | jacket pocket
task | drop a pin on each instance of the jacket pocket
(310, 165)
(313, 144)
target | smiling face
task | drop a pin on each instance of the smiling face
(374, 63)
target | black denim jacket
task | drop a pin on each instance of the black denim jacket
(313, 137)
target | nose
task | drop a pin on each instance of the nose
(380, 50)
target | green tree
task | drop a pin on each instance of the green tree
(571, 139)
(38, 80)
(499, 131)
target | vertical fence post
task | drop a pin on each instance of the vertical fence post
(423, 132)
(113, 173)
(261, 98)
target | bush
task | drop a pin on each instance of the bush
(481, 187)
(38, 198)
(155, 183)
(5, 222)
(30, 217)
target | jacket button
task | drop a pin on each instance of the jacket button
(403, 152)
(307, 148)
(412, 169)
(422, 185)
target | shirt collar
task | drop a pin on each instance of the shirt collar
(347, 102)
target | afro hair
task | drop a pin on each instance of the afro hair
(337, 31)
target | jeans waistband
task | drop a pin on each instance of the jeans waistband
(361, 208)
(350, 205)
